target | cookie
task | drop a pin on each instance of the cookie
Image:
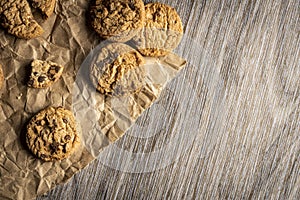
(162, 30)
(46, 7)
(1, 77)
(44, 73)
(17, 19)
(115, 64)
(117, 20)
(52, 135)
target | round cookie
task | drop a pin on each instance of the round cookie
(1, 77)
(117, 20)
(17, 19)
(51, 134)
(117, 69)
(162, 30)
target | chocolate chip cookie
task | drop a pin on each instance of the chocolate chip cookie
(1, 77)
(17, 19)
(46, 7)
(44, 73)
(162, 30)
(116, 64)
(52, 135)
(117, 20)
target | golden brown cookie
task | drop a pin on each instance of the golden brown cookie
(46, 7)
(1, 77)
(117, 20)
(52, 135)
(44, 73)
(17, 19)
(162, 30)
(117, 68)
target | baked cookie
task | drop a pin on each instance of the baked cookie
(117, 20)
(52, 135)
(117, 69)
(1, 77)
(16, 17)
(44, 73)
(162, 30)
(46, 7)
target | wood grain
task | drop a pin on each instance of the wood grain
(244, 76)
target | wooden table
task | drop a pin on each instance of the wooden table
(227, 127)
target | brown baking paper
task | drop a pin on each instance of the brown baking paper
(105, 119)
(67, 40)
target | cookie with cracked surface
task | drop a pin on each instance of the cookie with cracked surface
(17, 19)
(117, 69)
(1, 77)
(46, 7)
(44, 73)
(52, 135)
(117, 20)
(162, 30)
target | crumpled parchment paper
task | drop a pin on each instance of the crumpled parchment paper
(101, 120)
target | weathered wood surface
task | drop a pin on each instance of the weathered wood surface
(234, 111)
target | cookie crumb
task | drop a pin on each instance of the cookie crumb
(19, 96)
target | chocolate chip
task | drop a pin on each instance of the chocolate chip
(65, 148)
(54, 146)
(41, 79)
(43, 156)
(131, 5)
(57, 69)
(65, 121)
(35, 73)
(30, 83)
(67, 137)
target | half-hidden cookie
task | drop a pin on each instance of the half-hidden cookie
(52, 135)
(1, 77)
(46, 7)
(44, 73)
(17, 19)
(117, 68)
(162, 30)
(117, 20)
